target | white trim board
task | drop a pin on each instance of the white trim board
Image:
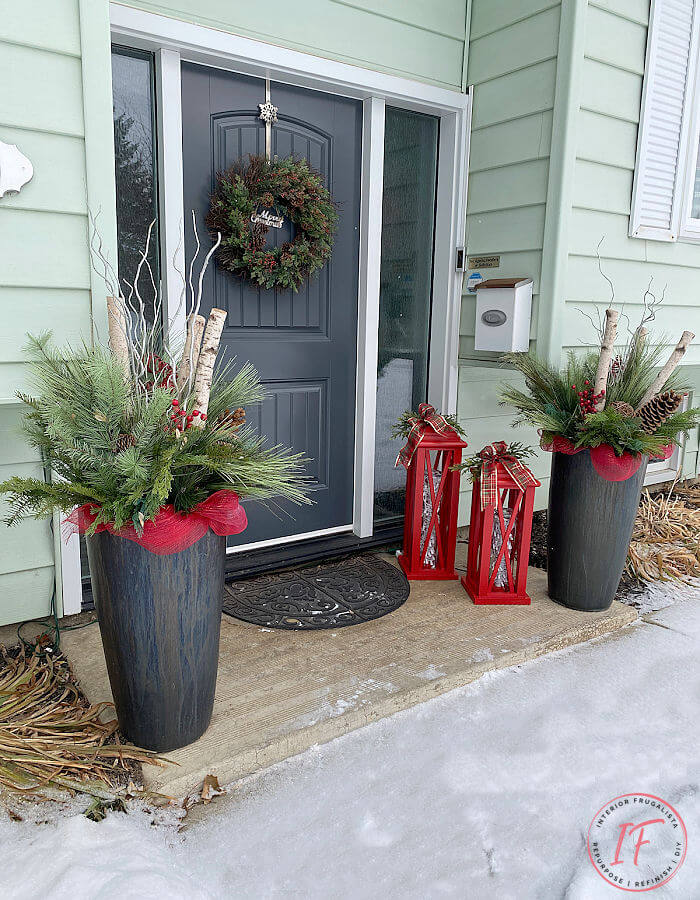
(173, 40)
(199, 43)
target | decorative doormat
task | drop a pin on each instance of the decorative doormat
(333, 595)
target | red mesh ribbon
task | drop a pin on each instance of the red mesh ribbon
(171, 531)
(612, 467)
(664, 453)
(427, 418)
(492, 455)
(559, 444)
(605, 461)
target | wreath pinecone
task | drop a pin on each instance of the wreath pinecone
(655, 412)
(288, 187)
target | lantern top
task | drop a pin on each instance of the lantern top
(449, 440)
(506, 479)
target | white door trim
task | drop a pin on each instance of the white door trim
(170, 198)
(368, 312)
(173, 40)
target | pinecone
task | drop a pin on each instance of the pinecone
(230, 419)
(123, 442)
(626, 410)
(655, 412)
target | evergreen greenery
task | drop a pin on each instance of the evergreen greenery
(551, 403)
(85, 404)
(403, 427)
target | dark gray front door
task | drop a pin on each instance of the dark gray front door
(304, 344)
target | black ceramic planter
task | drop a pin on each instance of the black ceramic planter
(589, 526)
(160, 619)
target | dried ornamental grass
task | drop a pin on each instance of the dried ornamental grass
(52, 738)
(666, 540)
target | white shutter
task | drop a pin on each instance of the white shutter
(664, 121)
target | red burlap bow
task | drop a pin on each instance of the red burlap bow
(427, 418)
(496, 453)
(170, 531)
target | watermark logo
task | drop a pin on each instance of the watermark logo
(637, 842)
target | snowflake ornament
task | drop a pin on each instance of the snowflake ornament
(268, 112)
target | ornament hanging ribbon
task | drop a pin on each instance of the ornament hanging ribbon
(426, 419)
(491, 456)
(170, 531)
(268, 113)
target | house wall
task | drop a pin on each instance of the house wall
(513, 51)
(410, 38)
(611, 71)
(45, 278)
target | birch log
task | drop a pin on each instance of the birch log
(205, 363)
(190, 353)
(117, 323)
(607, 348)
(670, 367)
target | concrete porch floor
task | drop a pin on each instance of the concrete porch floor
(280, 692)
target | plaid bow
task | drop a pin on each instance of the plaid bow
(491, 455)
(427, 418)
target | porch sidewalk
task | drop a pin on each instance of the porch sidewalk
(280, 692)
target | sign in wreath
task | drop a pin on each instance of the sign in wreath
(254, 197)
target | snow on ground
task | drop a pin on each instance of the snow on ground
(486, 792)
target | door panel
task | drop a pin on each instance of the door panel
(302, 344)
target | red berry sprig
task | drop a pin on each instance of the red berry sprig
(587, 400)
(181, 419)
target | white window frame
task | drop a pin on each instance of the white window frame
(173, 41)
(689, 227)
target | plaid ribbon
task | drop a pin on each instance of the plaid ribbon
(427, 418)
(491, 456)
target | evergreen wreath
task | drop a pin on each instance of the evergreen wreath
(287, 186)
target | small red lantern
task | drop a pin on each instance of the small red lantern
(503, 499)
(432, 449)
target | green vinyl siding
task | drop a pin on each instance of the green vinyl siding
(606, 136)
(512, 65)
(410, 38)
(45, 278)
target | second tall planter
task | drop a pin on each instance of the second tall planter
(589, 526)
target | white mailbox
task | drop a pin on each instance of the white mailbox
(503, 309)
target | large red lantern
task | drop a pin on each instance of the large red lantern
(432, 497)
(500, 528)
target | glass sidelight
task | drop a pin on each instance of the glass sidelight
(408, 225)
(135, 167)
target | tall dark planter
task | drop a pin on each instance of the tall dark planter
(160, 619)
(589, 527)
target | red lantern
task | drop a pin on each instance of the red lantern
(431, 463)
(503, 499)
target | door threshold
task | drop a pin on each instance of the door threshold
(290, 539)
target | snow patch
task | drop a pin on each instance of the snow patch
(431, 673)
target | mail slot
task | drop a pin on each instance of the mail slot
(503, 310)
